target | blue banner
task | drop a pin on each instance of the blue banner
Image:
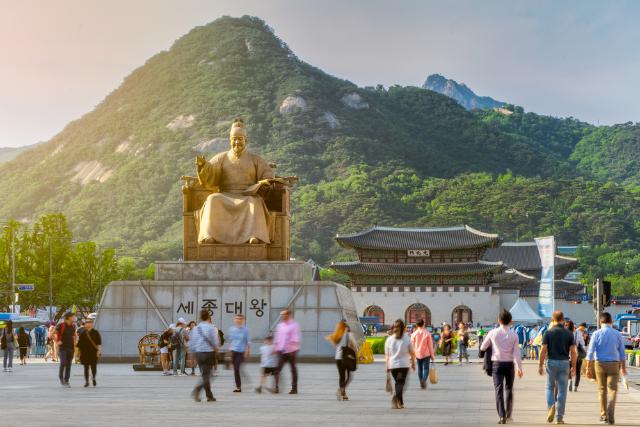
(547, 251)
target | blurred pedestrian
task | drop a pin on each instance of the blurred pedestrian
(52, 345)
(269, 360)
(446, 343)
(581, 353)
(65, 334)
(481, 334)
(287, 343)
(463, 342)
(164, 342)
(239, 340)
(342, 338)
(422, 342)
(8, 343)
(90, 348)
(606, 356)
(505, 357)
(559, 347)
(204, 343)
(399, 356)
(191, 358)
(24, 343)
(178, 342)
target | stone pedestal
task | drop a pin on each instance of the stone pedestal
(257, 289)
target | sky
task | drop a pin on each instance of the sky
(580, 58)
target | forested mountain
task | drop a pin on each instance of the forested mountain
(9, 153)
(459, 92)
(396, 156)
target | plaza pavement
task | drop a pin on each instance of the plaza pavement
(31, 396)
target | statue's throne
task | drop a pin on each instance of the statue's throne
(277, 199)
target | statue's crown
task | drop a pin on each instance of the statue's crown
(237, 123)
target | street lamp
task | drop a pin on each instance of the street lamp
(13, 267)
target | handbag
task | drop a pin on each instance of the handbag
(388, 385)
(92, 343)
(349, 357)
(433, 375)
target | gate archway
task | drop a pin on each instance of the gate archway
(461, 313)
(374, 310)
(416, 312)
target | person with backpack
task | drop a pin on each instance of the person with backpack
(8, 342)
(463, 342)
(346, 350)
(204, 343)
(180, 348)
(164, 343)
(66, 340)
(505, 357)
(24, 343)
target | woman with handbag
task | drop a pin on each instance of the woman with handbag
(90, 347)
(399, 355)
(446, 343)
(164, 343)
(346, 350)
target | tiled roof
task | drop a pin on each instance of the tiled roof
(525, 257)
(419, 238)
(418, 269)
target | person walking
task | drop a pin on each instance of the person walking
(239, 340)
(287, 343)
(463, 342)
(51, 343)
(268, 361)
(8, 343)
(341, 338)
(606, 356)
(581, 353)
(204, 343)
(505, 358)
(399, 356)
(24, 343)
(90, 348)
(422, 342)
(178, 342)
(66, 339)
(446, 343)
(164, 342)
(558, 346)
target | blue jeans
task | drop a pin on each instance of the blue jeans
(179, 360)
(8, 357)
(66, 357)
(557, 373)
(423, 368)
(462, 351)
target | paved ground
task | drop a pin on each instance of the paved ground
(31, 396)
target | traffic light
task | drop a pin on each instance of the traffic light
(606, 293)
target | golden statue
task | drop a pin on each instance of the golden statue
(235, 213)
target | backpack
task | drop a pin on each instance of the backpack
(349, 357)
(221, 337)
(176, 339)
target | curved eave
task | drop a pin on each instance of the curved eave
(445, 269)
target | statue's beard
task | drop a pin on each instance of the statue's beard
(237, 151)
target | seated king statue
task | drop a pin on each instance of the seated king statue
(236, 214)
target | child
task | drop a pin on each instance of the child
(268, 361)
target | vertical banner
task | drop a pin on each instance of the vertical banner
(547, 251)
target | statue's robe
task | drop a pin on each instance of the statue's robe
(234, 213)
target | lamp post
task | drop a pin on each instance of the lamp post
(13, 266)
(51, 239)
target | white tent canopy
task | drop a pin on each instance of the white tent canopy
(522, 312)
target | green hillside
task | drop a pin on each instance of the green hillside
(402, 155)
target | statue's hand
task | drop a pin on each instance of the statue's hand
(200, 161)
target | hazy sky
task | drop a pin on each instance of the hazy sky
(565, 58)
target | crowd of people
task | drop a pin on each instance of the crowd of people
(561, 349)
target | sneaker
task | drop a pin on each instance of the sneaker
(423, 384)
(551, 413)
(345, 398)
(603, 420)
(502, 420)
(294, 391)
(237, 390)
(394, 403)
(94, 382)
(196, 396)
(339, 394)
(559, 421)
(67, 385)
(86, 384)
(259, 389)
(211, 399)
